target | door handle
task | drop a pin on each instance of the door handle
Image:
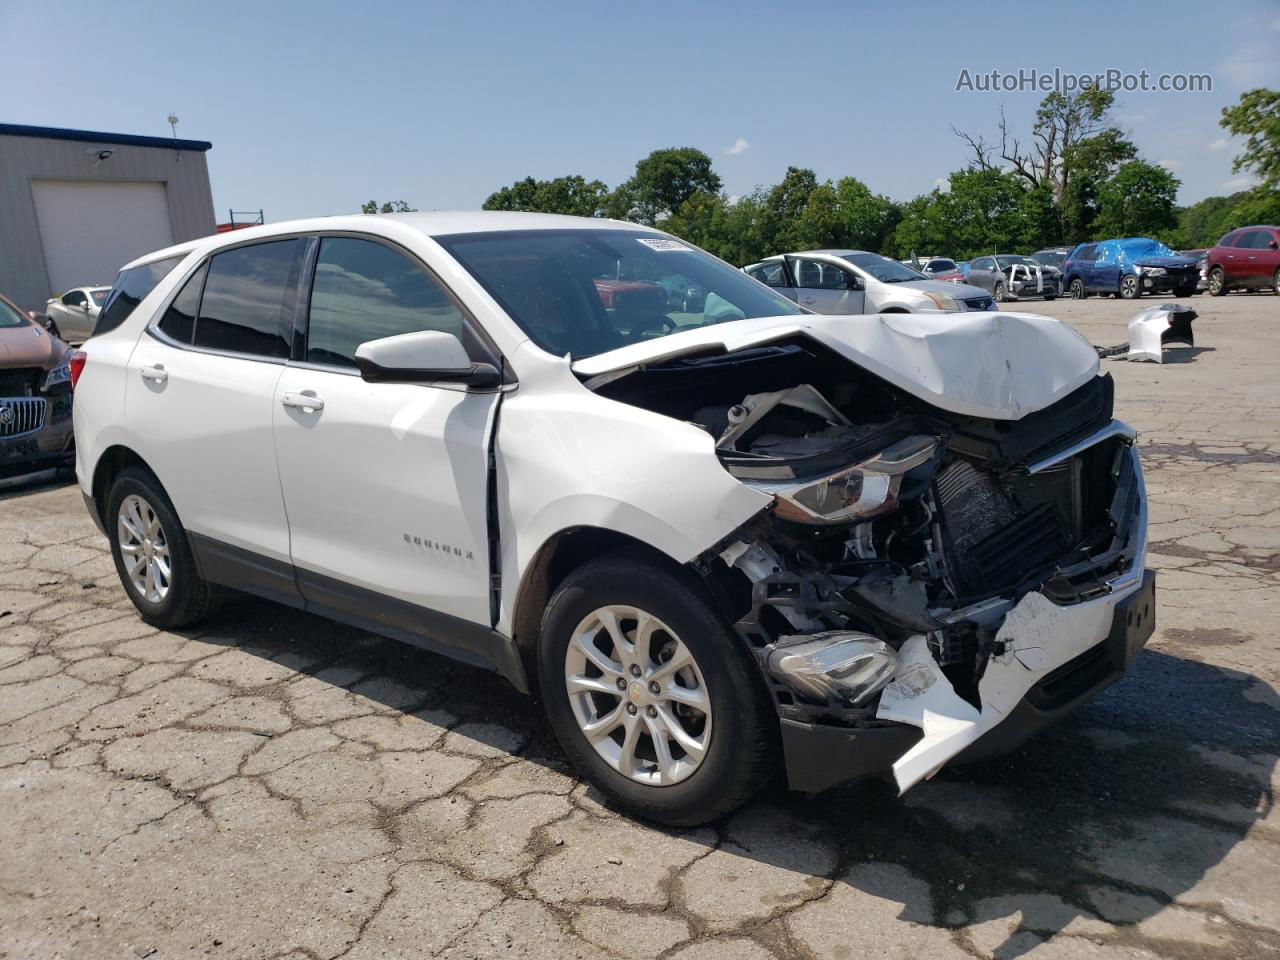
(307, 403)
(156, 373)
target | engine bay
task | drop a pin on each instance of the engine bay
(891, 519)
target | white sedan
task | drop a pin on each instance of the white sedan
(72, 316)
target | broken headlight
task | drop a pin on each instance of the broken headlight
(836, 665)
(863, 490)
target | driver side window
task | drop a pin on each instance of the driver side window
(75, 298)
(818, 275)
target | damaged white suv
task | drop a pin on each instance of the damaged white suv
(718, 533)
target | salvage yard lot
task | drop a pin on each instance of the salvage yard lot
(276, 785)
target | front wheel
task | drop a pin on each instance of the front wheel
(651, 696)
(1077, 289)
(1217, 282)
(152, 554)
(1002, 295)
(1130, 289)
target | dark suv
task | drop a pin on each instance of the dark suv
(1247, 258)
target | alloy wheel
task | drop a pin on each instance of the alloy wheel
(144, 549)
(1077, 290)
(1216, 282)
(1129, 287)
(638, 695)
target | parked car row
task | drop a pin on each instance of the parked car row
(856, 281)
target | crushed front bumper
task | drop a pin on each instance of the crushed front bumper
(1108, 632)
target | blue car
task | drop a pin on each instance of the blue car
(1128, 268)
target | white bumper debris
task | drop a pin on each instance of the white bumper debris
(1038, 636)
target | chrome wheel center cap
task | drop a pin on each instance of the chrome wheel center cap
(637, 693)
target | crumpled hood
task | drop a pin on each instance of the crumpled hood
(29, 346)
(1001, 366)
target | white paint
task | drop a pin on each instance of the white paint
(89, 229)
(982, 364)
(1145, 329)
(1038, 635)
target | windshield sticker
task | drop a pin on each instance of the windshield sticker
(661, 243)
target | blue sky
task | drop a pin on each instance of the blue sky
(315, 107)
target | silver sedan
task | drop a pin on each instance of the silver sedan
(72, 316)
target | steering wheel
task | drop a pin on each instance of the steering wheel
(645, 324)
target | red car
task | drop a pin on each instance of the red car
(1247, 258)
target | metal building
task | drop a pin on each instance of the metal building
(75, 205)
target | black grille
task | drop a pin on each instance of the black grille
(979, 303)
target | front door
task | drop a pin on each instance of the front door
(385, 484)
(826, 288)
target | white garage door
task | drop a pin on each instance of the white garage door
(91, 229)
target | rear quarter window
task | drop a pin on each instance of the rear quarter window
(130, 289)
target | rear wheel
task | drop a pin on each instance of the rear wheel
(651, 696)
(1217, 282)
(1077, 289)
(152, 554)
(1130, 289)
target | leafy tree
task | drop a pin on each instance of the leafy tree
(1257, 116)
(663, 181)
(1138, 201)
(1203, 224)
(394, 206)
(570, 195)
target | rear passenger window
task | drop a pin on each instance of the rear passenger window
(179, 321)
(248, 300)
(130, 288)
(366, 291)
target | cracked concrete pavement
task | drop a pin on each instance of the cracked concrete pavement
(272, 785)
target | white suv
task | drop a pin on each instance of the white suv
(713, 535)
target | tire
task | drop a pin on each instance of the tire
(53, 330)
(1217, 282)
(739, 728)
(181, 598)
(1275, 283)
(1000, 293)
(1130, 288)
(1077, 290)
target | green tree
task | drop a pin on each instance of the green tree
(1257, 117)
(393, 206)
(1138, 201)
(571, 195)
(663, 181)
(1202, 224)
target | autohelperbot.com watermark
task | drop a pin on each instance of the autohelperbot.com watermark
(1033, 80)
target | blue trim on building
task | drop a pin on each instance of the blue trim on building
(91, 136)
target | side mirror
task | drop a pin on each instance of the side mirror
(85, 306)
(1275, 245)
(427, 356)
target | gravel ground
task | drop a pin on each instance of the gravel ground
(273, 785)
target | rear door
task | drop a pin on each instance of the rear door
(385, 484)
(199, 396)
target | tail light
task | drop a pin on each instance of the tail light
(77, 363)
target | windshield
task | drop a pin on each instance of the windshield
(1051, 258)
(100, 295)
(582, 292)
(882, 268)
(10, 317)
(1008, 261)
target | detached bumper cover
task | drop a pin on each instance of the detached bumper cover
(1056, 660)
